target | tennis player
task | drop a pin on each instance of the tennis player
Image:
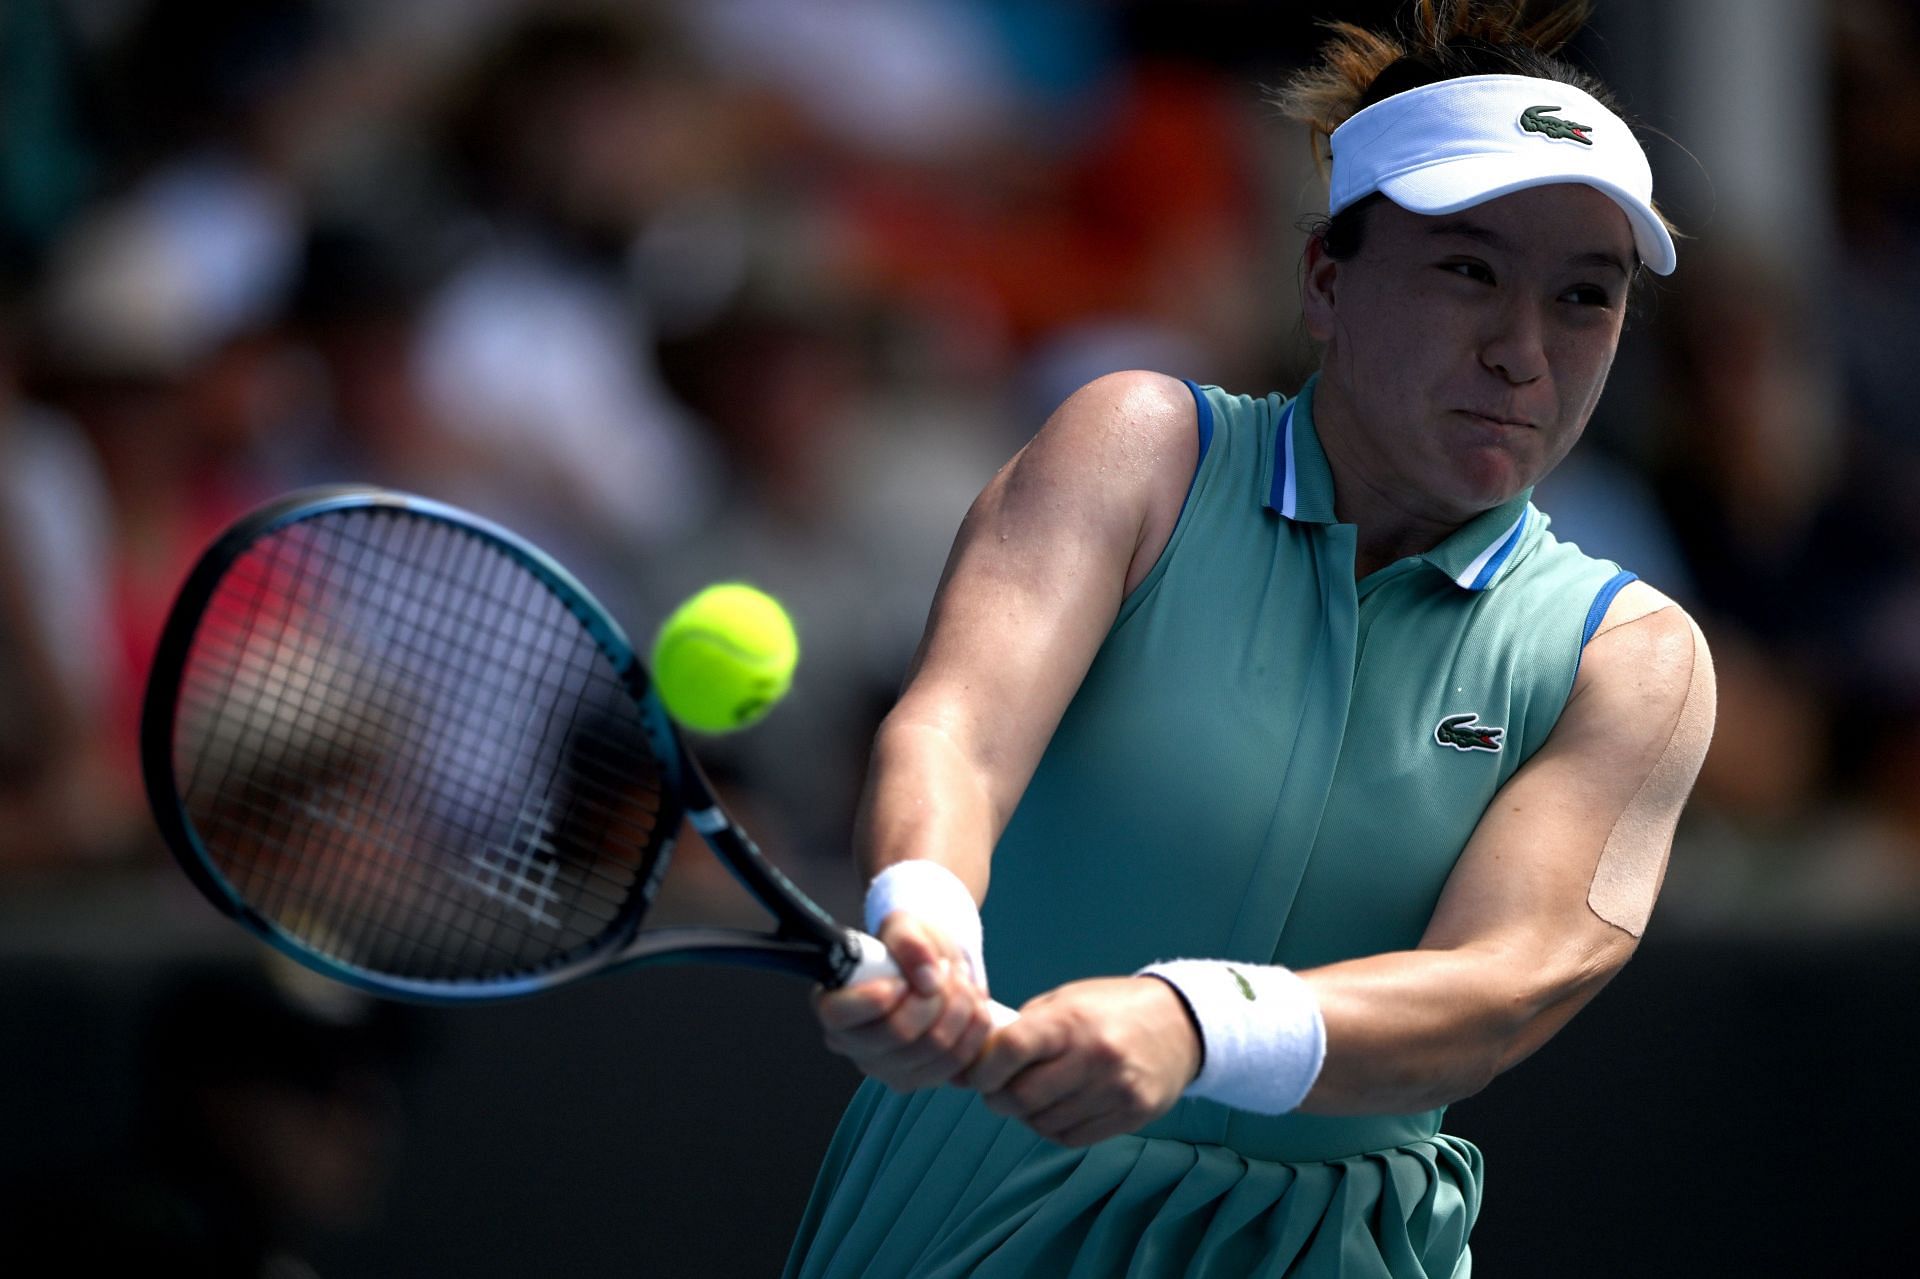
(1318, 781)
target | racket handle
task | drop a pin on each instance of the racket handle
(876, 962)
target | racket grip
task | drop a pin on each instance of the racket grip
(876, 963)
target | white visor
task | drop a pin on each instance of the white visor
(1448, 146)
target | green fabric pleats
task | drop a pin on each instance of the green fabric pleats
(934, 1186)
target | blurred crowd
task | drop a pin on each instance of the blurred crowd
(767, 289)
(689, 290)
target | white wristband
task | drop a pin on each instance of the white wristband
(930, 892)
(1261, 1032)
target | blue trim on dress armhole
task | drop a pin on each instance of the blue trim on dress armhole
(1602, 602)
(1598, 609)
(1205, 418)
(1205, 414)
(1205, 410)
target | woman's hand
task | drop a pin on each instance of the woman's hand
(915, 1031)
(1091, 1060)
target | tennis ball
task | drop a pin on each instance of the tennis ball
(723, 658)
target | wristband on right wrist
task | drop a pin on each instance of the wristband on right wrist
(1262, 1038)
(930, 892)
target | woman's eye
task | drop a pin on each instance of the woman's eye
(1469, 270)
(1588, 295)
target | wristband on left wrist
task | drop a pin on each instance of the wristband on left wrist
(1262, 1037)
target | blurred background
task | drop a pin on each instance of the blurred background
(767, 289)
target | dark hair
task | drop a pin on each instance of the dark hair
(1438, 40)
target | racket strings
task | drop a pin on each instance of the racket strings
(323, 716)
(429, 667)
(502, 874)
(425, 665)
(443, 931)
(407, 753)
(496, 877)
(285, 804)
(451, 932)
(454, 782)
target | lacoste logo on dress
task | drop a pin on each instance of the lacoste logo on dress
(1536, 120)
(1463, 734)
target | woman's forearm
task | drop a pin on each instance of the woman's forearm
(1411, 1030)
(925, 799)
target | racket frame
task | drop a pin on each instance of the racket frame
(806, 940)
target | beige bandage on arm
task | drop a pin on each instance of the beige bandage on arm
(1634, 861)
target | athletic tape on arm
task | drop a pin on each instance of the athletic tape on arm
(1627, 879)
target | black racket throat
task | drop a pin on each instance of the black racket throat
(806, 942)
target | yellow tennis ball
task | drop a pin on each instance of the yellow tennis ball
(724, 658)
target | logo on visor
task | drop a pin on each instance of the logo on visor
(1536, 120)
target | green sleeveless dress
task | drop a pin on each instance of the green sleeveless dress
(1268, 762)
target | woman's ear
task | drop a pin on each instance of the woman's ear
(1317, 289)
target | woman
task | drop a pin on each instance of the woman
(1318, 781)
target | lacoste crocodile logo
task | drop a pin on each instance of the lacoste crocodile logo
(1536, 120)
(1463, 734)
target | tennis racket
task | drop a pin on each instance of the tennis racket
(405, 747)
